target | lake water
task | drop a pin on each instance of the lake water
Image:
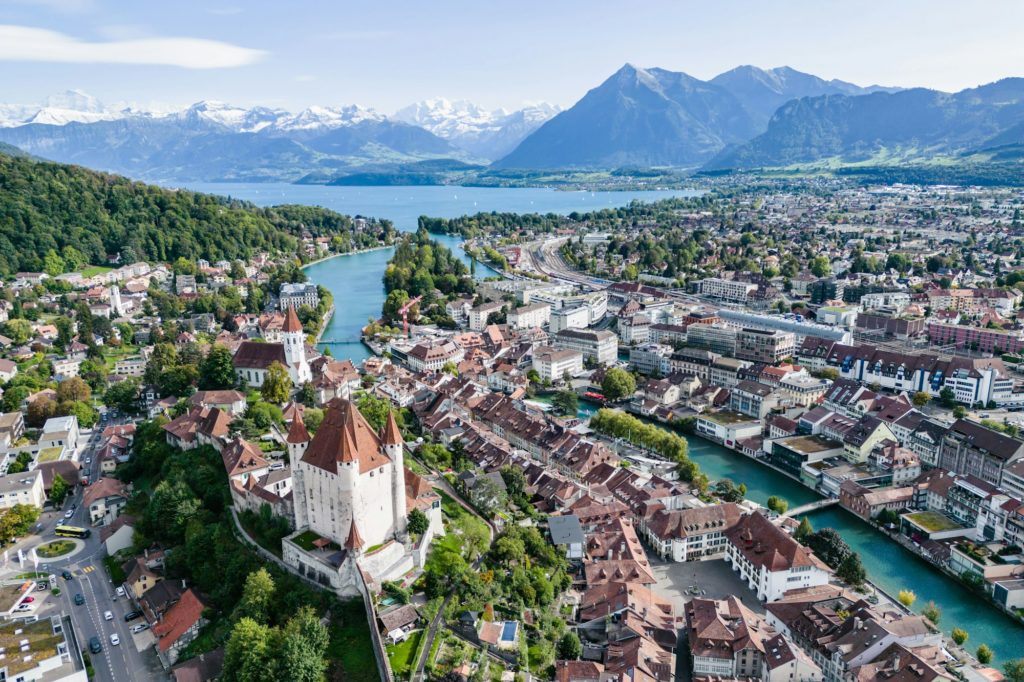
(355, 280)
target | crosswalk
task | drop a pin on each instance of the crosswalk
(88, 569)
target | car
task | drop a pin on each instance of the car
(22, 608)
(28, 600)
(132, 615)
(69, 513)
(95, 646)
(66, 574)
(136, 629)
(79, 599)
(88, 461)
(120, 590)
(107, 615)
(114, 639)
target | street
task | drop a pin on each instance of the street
(124, 662)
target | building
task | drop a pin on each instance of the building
(770, 560)
(432, 356)
(789, 322)
(23, 488)
(43, 650)
(252, 360)
(690, 534)
(297, 294)
(479, 315)
(569, 318)
(351, 491)
(994, 341)
(753, 399)
(719, 338)
(970, 448)
(597, 346)
(553, 364)
(180, 625)
(727, 289)
(105, 499)
(533, 315)
(634, 329)
(650, 358)
(670, 334)
(769, 347)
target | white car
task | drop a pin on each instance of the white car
(136, 629)
(69, 513)
(120, 590)
(107, 615)
(114, 639)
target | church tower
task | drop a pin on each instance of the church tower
(298, 440)
(394, 447)
(294, 339)
(115, 301)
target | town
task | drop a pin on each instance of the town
(515, 484)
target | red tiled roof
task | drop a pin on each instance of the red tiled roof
(178, 619)
(344, 436)
(291, 321)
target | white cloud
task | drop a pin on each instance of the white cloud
(26, 44)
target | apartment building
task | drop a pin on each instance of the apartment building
(597, 346)
(769, 347)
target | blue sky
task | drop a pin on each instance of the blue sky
(387, 54)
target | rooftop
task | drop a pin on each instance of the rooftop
(933, 522)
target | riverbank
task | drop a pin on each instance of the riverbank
(382, 247)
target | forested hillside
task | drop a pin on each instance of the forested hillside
(71, 211)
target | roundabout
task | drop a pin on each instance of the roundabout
(58, 549)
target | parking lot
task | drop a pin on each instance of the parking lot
(678, 582)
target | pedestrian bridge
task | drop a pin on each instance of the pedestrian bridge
(812, 506)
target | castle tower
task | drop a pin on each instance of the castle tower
(298, 440)
(394, 447)
(294, 339)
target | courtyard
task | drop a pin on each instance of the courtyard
(678, 582)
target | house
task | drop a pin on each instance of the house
(770, 560)
(159, 599)
(105, 499)
(203, 668)
(67, 469)
(179, 626)
(970, 448)
(8, 370)
(23, 488)
(60, 432)
(12, 427)
(398, 622)
(690, 534)
(566, 532)
(140, 578)
(232, 402)
(119, 535)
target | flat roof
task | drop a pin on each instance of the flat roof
(808, 444)
(931, 521)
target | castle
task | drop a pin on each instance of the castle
(352, 495)
(253, 359)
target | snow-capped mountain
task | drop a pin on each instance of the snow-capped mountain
(72, 106)
(488, 134)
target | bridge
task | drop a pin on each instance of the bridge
(812, 506)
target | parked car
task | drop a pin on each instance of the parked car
(136, 629)
(107, 615)
(114, 639)
(22, 608)
(79, 599)
(29, 600)
(120, 590)
(95, 646)
(132, 615)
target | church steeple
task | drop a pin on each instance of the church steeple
(294, 339)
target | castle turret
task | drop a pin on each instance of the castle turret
(294, 339)
(394, 447)
(298, 440)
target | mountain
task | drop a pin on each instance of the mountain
(908, 125)
(484, 133)
(762, 91)
(638, 117)
(213, 141)
(84, 215)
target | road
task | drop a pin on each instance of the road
(121, 663)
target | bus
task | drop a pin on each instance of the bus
(72, 532)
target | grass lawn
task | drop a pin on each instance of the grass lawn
(55, 548)
(351, 649)
(48, 455)
(402, 656)
(933, 521)
(94, 270)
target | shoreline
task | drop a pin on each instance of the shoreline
(349, 253)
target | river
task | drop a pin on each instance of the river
(355, 281)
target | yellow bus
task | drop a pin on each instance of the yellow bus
(72, 532)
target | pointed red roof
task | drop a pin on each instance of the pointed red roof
(391, 435)
(354, 541)
(344, 436)
(291, 321)
(298, 433)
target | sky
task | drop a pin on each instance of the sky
(386, 54)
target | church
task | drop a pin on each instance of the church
(253, 358)
(352, 495)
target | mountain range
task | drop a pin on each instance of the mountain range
(747, 117)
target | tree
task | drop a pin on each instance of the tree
(306, 394)
(303, 645)
(73, 389)
(959, 636)
(887, 517)
(313, 417)
(277, 385)
(566, 402)
(947, 397)
(932, 612)
(618, 384)
(820, 266)
(417, 523)
(59, 490)
(777, 504)
(959, 411)
(852, 571)
(906, 597)
(728, 491)
(18, 330)
(39, 410)
(256, 596)
(515, 480)
(217, 370)
(123, 395)
(921, 398)
(569, 647)
(984, 654)
(488, 495)
(829, 546)
(247, 652)
(1014, 670)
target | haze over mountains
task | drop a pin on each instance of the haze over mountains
(744, 118)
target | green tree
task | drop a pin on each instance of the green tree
(375, 410)
(959, 411)
(947, 397)
(73, 389)
(302, 648)
(247, 652)
(1014, 670)
(804, 530)
(306, 394)
(18, 330)
(257, 595)
(277, 385)
(217, 370)
(820, 266)
(984, 654)
(569, 647)
(618, 384)
(777, 504)
(418, 523)
(566, 402)
(123, 395)
(921, 398)
(59, 490)
(852, 571)
(959, 636)
(932, 612)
